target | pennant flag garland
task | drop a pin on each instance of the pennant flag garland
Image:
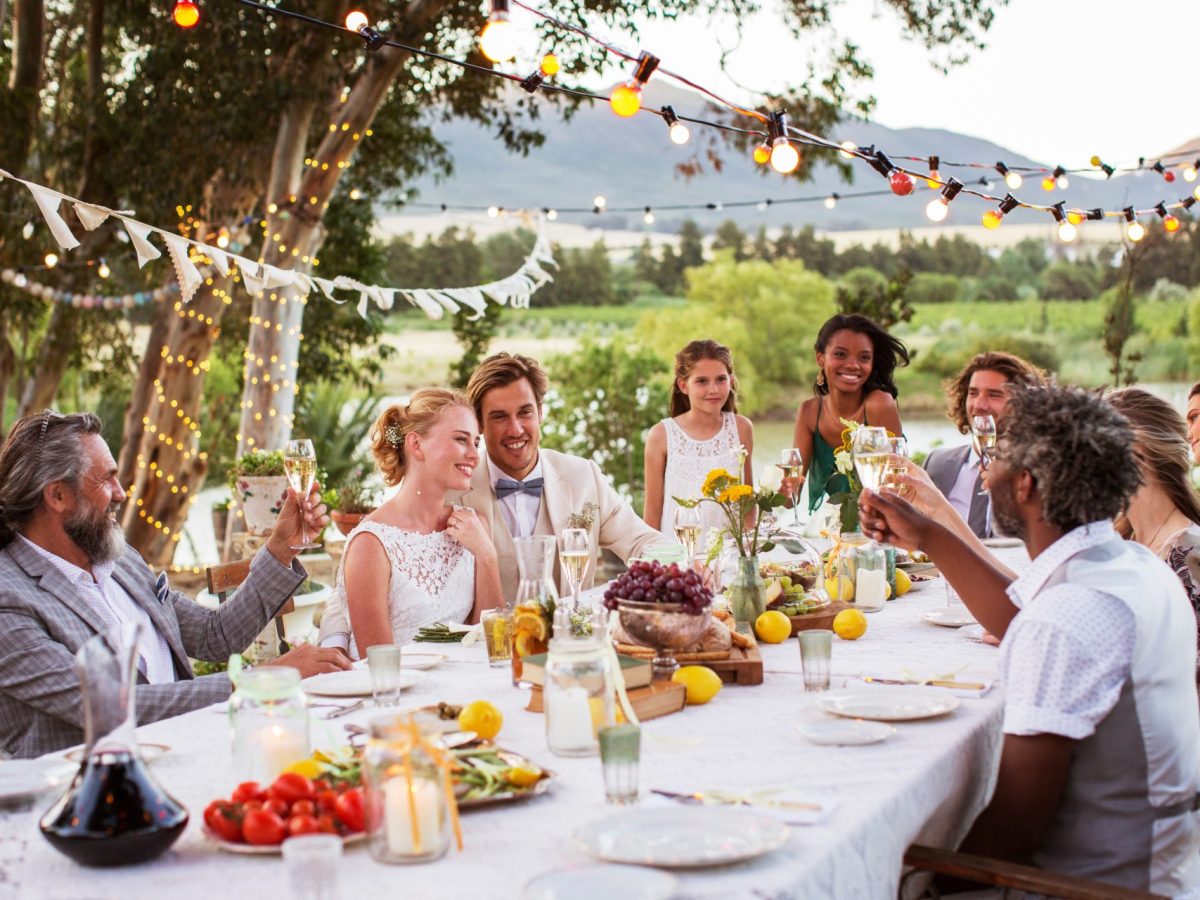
(139, 235)
(48, 201)
(189, 276)
(92, 217)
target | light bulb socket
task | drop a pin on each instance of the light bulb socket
(1002, 169)
(1188, 202)
(1095, 215)
(532, 82)
(1058, 210)
(646, 64)
(669, 116)
(1161, 209)
(1008, 204)
(835, 196)
(499, 7)
(371, 38)
(934, 164)
(1108, 170)
(1058, 172)
(1130, 215)
(881, 164)
(776, 126)
(1159, 167)
(950, 191)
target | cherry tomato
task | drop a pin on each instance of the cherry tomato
(304, 808)
(224, 819)
(252, 804)
(280, 807)
(320, 784)
(248, 790)
(292, 786)
(302, 825)
(350, 809)
(327, 823)
(261, 826)
(327, 800)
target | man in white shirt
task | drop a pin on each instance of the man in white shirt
(980, 389)
(1099, 771)
(521, 489)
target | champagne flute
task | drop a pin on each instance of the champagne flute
(574, 551)
(687, 530)
(983, 438)
(300, 464)
(871, 451)
(894, 470)
(792, 465)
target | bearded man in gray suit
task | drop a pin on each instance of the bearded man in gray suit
(66, 576)
(982, 388)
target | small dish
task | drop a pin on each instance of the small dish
(893, 705)
(972, 632)
(949, 618)
(683, 837)
(148, 752)
(602, 882)
(353, 683)
(844, 732)
(23, 779)
(266, 849)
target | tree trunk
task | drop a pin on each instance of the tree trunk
(62, 333)
(24, 82)
(138, 411)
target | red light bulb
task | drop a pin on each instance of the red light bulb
(901, 182)
(186, 14)
(1168, 176)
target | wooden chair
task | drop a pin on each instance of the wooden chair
(225, 577)
(997, 873)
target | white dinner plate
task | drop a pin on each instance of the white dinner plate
(950, 618)
(21, 779)
(602, 882)
(352, 683)
(844, 732)
(1003, 542)
(972, 632)
(416, 661)
(892, 705)
(148, 752)
(682, 838)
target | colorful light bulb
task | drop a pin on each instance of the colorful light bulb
(186, 14)
(784, 157)
(626, 99)
(549, 65)
(103, 271)
(1170, 224)
(901, 183)
(992, 219)
(1074, 217)
(762, 154)
(1047, 183)
(356, 19)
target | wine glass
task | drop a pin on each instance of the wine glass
(792, 464)
(871, 452)
(574, 552)
(894, 470)
(687, 530)
(300, 464)
(983, 438)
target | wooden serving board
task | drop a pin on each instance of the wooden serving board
(823, 619)
(744, 665)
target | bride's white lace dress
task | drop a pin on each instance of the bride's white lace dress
(432, 579)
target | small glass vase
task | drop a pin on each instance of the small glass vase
(747, 592)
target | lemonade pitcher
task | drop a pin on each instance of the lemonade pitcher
(537, 598)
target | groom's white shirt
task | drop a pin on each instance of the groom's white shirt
(520, 509)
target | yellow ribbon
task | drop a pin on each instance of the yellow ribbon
(444, 763)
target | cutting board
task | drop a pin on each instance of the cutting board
(744, 666)
(823, 619)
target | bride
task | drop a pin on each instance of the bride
(416, 560)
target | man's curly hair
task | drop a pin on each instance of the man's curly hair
(1078, 449)
(1016, 371)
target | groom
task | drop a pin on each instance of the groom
(522, 490)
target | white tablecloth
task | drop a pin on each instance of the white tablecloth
(926, 784)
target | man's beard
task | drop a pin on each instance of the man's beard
(99, 538)
(1004, 512)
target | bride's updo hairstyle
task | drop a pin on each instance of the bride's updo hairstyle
(424, 408)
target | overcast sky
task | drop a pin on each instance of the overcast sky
(1059, 81)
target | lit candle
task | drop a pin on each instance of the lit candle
(276, 748)
(400, 801)
(569, 720)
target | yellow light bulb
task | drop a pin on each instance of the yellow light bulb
(498, 41)
(549, 66)
(104, 271)
(937, 210)
(1171, 224)
(51, 260)
(1074, 218)
(1047, 183)
(356, 19)
(784, 157)
(679, 133)
(1134, 231)
(1013, 180)
(762, 154)
(1067, 232)
(1196, 192)
(932, 181)
(626, 99)
(1095, 160)
(992, 218)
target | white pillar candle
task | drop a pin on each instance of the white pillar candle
(870, 589)
(398, 816)
(276, 748)
(569, 720)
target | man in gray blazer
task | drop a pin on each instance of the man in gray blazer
(66, 576)
(982, 388)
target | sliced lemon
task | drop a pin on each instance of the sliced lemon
(524, 776)
(531, 624)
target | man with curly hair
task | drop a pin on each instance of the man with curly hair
(1099, 770)
(982, 388)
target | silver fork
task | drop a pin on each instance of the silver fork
(345, 710)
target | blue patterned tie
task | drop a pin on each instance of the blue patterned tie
(506, 486)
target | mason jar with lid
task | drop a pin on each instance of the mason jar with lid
(268, 718)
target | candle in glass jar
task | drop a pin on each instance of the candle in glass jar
(276, 748)
(870, 589)
(426, 801)
(569, 720)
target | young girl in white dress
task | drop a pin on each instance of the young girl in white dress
(704, 432)
(416, 560)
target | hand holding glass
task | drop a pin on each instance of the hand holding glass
(871, 450)
(792, 465)
(983, 438)
(300, 464)
(574, 551)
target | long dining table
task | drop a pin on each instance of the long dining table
(925, 784)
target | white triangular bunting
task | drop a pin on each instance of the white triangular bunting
(92, 217)
(139, 237)
(252, 278)
(189, 275)
(219, 257)
(48, 201)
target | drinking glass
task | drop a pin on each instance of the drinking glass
(300, 464)
(312, 862)
(816, 647)
(954, 603)
(687, 528)
(792, 464)
(620, 750)
(871, 450)
(983, 438)
(384, 662)
(870, 578)
(497, 623)
(574, 551)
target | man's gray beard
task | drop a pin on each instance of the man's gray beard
(100, 539)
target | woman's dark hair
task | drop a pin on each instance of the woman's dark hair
(685, 361)
(888, 352)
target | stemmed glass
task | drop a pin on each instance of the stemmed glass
(983, 438)
(300, 464)
(687, 529)
(574, 551)
(871, 451)
(792, 464)
(893, 470)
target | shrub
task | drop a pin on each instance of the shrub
(932, 287)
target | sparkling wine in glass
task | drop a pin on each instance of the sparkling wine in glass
(791, 463)
(574, 552)
(300, 464)
(871, 451)
(687, 529)
(983, 438)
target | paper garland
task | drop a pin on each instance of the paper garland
(84, 301)
(516, 290)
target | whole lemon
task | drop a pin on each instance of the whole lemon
(903, 583)
(773, 627)
(850, 624)
(702, 683)
(831, 588)
(482, 718)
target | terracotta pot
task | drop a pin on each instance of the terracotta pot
(260, 498)
(347, 522)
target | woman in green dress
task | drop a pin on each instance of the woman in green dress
(856, 361)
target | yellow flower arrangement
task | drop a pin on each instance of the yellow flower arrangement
(714, 481)
(734, 493)
(741, 504)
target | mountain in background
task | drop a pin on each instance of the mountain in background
(632, 163)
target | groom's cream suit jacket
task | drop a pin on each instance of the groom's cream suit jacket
(571, 482)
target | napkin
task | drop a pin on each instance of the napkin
(471, 633)
(919, 679)
(770, 801)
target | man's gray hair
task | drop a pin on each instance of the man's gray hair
(41, 448)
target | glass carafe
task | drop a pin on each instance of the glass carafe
(537, 598)
(579, 693)
(114, 813)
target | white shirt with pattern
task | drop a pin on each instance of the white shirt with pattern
(519, 509)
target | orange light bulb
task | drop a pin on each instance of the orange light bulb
(1171, 224)
(992, 219)
(762, 154)
(1074, 218)
(1048, 183)
(186, 14)
(1095, 160)
(626, 99)
(549, 66)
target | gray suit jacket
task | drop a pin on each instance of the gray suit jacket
(44, 621)
(943, 466)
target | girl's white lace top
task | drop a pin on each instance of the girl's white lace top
(432, 579)
(688, 463)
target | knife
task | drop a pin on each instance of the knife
(932, 682)
(346, 710)
(700, 798)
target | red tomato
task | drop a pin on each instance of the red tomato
(320, 784)
(280, 807)
(304, 808)
(248, 790)
(327, 823)
(224, 819)
(261, 826)
(327, 800)
(302, 825)
(292, 786)
(350, 809)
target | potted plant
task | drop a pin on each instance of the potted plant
(259, 486)
(355, 499)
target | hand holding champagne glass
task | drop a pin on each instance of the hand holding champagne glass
(791, 463)
(300, 464)
(574, 551)
(983, 438)
(871, 451)
(895, 466)
(687, 529)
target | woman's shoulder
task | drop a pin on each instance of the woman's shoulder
(879, 400)
(807, 412)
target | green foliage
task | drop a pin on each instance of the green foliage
(604, 397)
(947, 357)
(1119, 328)
(933, 287)
(337, 422)
(355, 494)
(257, 463)
(474, 333)
(222, 406)
(766, 313)
(1070, 281)
(868, 293)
